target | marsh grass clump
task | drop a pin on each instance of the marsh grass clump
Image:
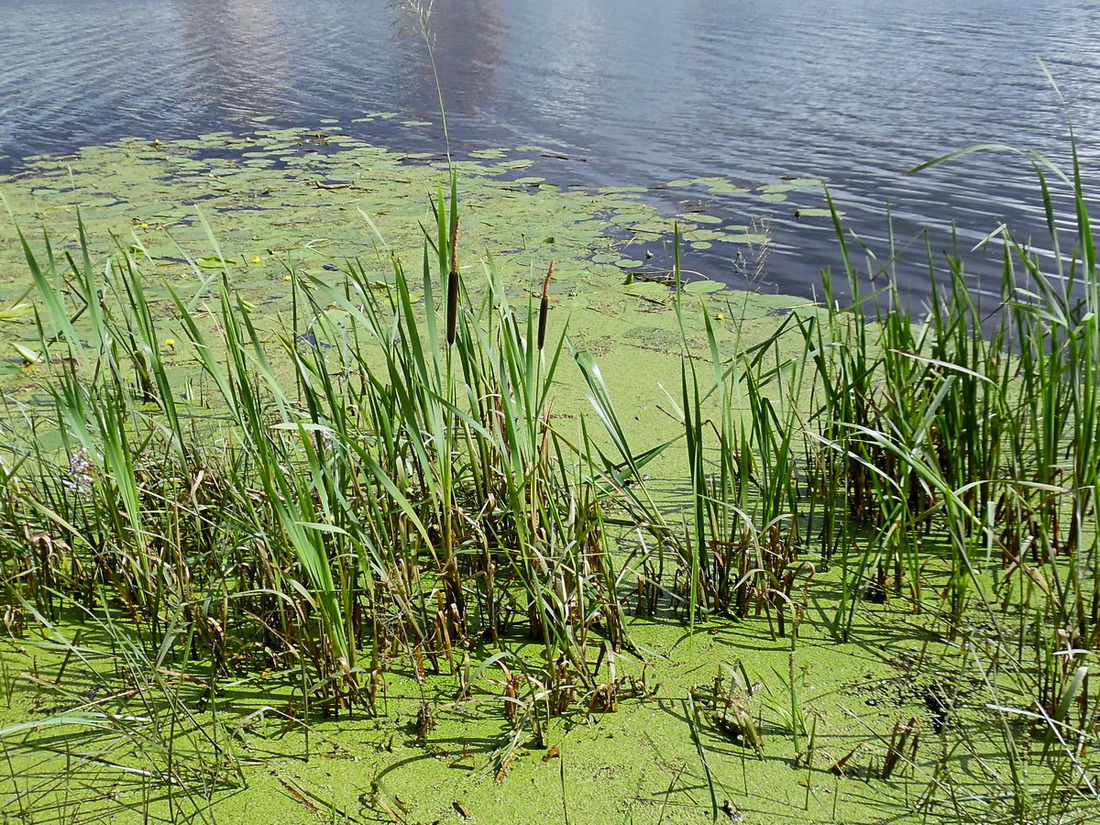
(945, 463)
(391, 491)
(960, 431)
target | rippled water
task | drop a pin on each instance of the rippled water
(633, 92)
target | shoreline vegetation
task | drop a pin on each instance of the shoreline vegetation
(430, 540)
(222, 550)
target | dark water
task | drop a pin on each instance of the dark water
(633, 92)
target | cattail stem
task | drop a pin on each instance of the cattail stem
(544, 305)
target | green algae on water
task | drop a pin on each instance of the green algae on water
(318, 196)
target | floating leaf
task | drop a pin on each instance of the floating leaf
(214, 262)
(651, 290)
(720, 186)
(27, 354)
(704, 287)
(815, 213)
(16, 312)
(726, 189)
(704, 235)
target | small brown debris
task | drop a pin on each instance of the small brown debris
(838, 766)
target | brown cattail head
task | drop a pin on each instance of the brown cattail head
(454, 246)
(452, 287)
(544, 305)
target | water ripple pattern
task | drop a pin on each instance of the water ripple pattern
(634, 92)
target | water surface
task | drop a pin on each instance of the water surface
(627, 92)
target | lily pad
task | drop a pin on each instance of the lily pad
(214, 262)
(704, 235)
(720, 186)
(703, 287)
(649, 290)
(657, 226)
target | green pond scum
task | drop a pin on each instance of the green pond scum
(317, 197)
(338, 485)
(640, 763)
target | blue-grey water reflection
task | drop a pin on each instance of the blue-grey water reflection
(633, 92)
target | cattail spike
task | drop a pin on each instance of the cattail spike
(454, 246)
(544, 305)
(452, 288)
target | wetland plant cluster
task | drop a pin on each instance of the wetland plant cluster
(389, 487)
